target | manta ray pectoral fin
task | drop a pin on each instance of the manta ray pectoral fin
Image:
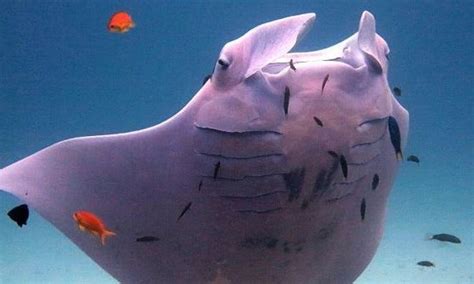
(85, 172)
(62, 165)
(370, 43)
(241, 58)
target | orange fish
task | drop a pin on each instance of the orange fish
(88, 221)
(120, 22)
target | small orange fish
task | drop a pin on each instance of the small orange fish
(120, 22)
(88, 221)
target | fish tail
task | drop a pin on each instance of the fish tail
(428, 237)
(106, 234)
(400, 156)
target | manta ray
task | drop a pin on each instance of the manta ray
(277, 170)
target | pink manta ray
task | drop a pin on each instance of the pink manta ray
(242, 184)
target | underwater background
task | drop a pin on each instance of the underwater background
(63, 75)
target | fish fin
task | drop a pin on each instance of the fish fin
(82, 228)
(105, 234)
(132, 25)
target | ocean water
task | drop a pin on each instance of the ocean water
(63, 75)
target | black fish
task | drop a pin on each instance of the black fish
(292, 66)
(147, 239)
(264, 242)
(200, 185)
(217, 166)
(333, 154)
(394, 131)
(19, 214)
(426, 263)
(413, 158)
(206, 78)
(318, 121)
(184, 211)
(324, 83)
(397, 92)
(343, 162)
(362, 209)
(294, 183)
(375, 181)
(286, 100)
(446, 238)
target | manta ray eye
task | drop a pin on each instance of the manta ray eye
(224, 64)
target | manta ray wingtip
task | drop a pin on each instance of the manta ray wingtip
(3, 186)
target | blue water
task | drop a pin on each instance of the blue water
(63, 75)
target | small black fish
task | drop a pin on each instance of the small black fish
(394, 131)
(206, 78)
(426, 263)
(343, 162)
(362, 209)
(446, 238)
(324, 83)
(217, 166)
(375, 181)
(19, 214)
(413, 158)
(200, 185)
(147, 239)
(286, 100)
(318, 121)
(292, 66)
(397, 91)
(184, 211)
(333, 154)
